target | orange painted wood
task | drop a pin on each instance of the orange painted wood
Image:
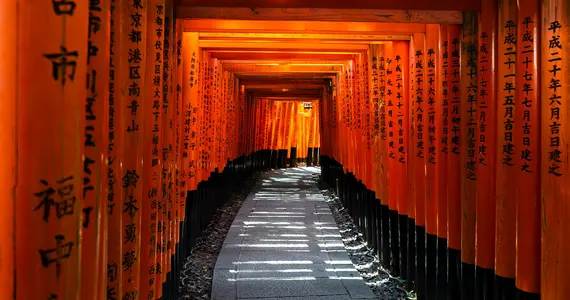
(375, 106)
(8, 92)
(420, 128)
(190, 88)
(432, 96)
(180, 191)
(94, 196)
(555, 216)
(306, 27)
(486, 136)
(391, 126)
(468, 137)
(50, 114)
(454, 158)
(365, 4)
(507, 159)
(152, 164)
(401, 70)
(527, 141)
(412, 132)
(442, 120)
(132, 121)
(322, 14)
(118, 69)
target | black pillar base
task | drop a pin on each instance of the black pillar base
(385, 236)
(411, 252)
(403, 228)
(454, 274)
(380, 232)
(421, 262)
(431, 266)
(484, 283)
(522, 295)
(316, 156)
(394, 246)
(294, 158)
(467, 281)
(441, 268)
(274, 158)
(310, 157)
(504, 288)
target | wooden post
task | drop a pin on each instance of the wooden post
(454, 165)
(94, 200)
(49, 111)
(8, 131)
(527, 141)
(442, 121)
(554, 146)
(420, 115)
(507, 159)
(485, 150)
(432, 96)
(401, 62)
(468, 152)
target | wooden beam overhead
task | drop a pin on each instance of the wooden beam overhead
(280, 81)
(321, 14)
(260, 61)
(284, 68)
(290, 87)
(278, 55)
(305, 27)
(339, 4)
(276, 45)
(301, 36)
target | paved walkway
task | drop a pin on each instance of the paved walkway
(284, 244)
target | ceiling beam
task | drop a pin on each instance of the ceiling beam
(322, 14)
(306, 27)
(241, 68)
(300, 36)
(341, 4)
(276, 45)
(283, 86)
(279, 55)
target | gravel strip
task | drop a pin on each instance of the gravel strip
(365, 260)
(197, 272)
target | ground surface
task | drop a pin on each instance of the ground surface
(285, 244)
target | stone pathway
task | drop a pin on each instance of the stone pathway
(285, 244)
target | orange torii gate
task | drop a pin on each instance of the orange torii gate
(447, 147)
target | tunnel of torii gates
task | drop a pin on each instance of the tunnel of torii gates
(442, 125)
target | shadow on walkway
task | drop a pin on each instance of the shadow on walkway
(284, 242)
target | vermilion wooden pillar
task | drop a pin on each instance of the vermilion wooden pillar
(432, 96)
(507, 159)
(454, 165)
(8, 92)
(132, 125)
(117, 78)
(419, 157)
(442, 120)
(468, 152)
(401, 61)
(49, 109)
(485, 150)
(528, 144)
(411, 259)
(152, 163)
(190, 88)
(392, 151)
(555, 172)
(94, 200)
